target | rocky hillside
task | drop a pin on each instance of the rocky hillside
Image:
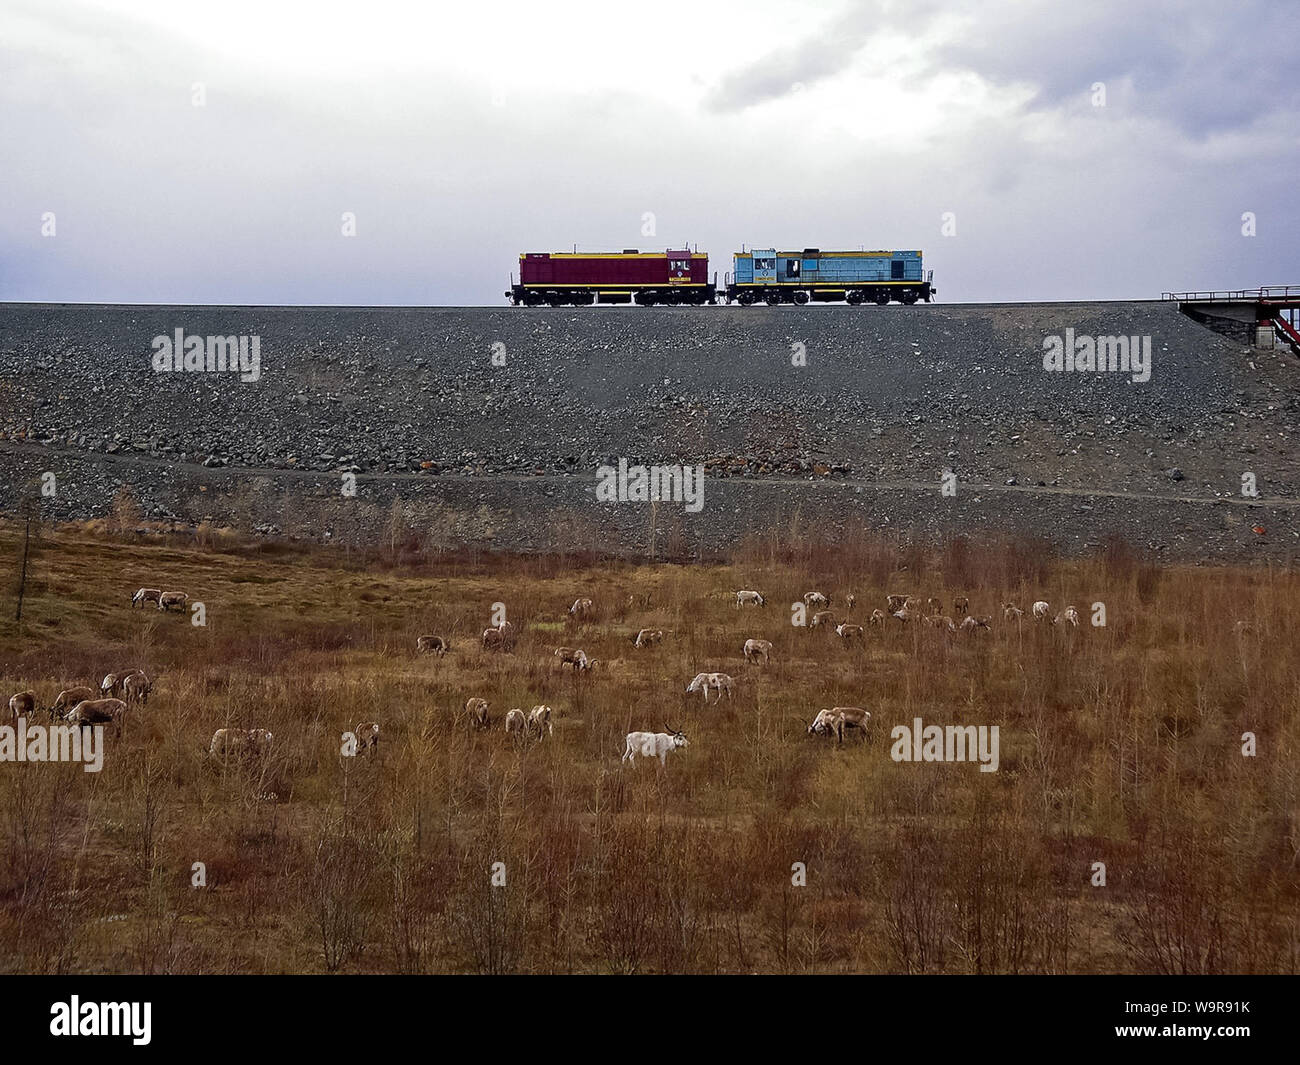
(417, 401)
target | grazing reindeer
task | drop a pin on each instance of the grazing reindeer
(653, 745)
(367, 735)
(539, 721)
(146, 595)
(837, 719)
(99, 712)
(23, 704)
(67, 699)
(240, 741)
(719, 682)
(136, 688)
(172, 599)
(113, 684)
(500, 637)
(582, 608)
(478, 712)
(572, 656)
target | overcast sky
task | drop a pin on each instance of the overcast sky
(462, 134)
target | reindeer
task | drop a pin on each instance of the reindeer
(478, 712)
(646, 637)
(432, 645)
(653, 745)
(572, 656)
(719, 682)
(837, 719)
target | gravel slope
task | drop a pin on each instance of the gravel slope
(889, 398)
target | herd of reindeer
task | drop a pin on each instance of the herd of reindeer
(119, 692)
(829, 720)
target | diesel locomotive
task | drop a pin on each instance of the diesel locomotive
(680, 277)
(672, 277)
(812, 275)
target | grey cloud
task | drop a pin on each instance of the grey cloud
(1203, 68)
(825, 52)
(775, 75)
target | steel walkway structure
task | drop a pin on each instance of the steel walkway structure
(1242, 313)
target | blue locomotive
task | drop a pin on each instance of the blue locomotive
(765, 275)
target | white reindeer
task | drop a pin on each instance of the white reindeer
(837, 719)
(653, 745)
(719, 682)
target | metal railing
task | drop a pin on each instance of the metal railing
(1262, 294)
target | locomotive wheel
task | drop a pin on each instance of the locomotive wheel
(800, 298)
(532, 299)
(882, 297)
(555, 299)
(746, 299)
(646, 299)
(674, 298)
(854, 297)
(908, 298)
(774, 299)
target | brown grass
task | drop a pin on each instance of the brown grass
(1119, 745)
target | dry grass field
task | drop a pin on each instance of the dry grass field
(1120, 745)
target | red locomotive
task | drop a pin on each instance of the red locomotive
(579, 279)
